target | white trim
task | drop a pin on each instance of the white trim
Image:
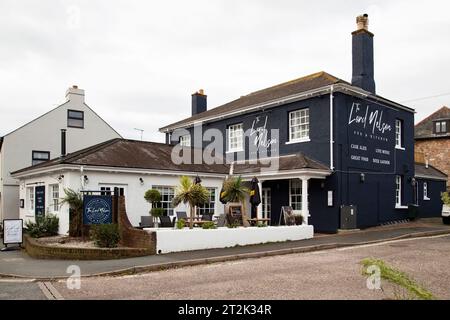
(401, 207)
(400, 148)
(298, 141)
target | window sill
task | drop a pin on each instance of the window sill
(400, 148)
(426, 199)
(298, 141)
(234, 151)
(400, 207)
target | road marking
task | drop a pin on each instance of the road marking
(390, 241)
(50, 291)
(17, 280)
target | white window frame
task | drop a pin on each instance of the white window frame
(399, 134)
(38, 157)
(442, 125)
(235, 136)
(31, 201)
(425, 191)
(295, 199)
(266, 199)
(209, 207)
(299, 126)
(185, 140)
(53, 197)
(398, 191)
(167, 205)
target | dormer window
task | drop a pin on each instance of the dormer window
(440, 127)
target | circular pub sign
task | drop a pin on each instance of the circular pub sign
(97, 210)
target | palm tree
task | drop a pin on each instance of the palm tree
(235, 191)
(191, 194)
(75, 202)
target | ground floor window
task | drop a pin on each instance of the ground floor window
(295, 194)
(266, 202)
(209, 207)
(30, 198)
(54, 197)
(167, 195)
(398, 190)
(425, 191)
(108, 190)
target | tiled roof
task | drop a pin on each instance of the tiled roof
(310, 82)
(432, 172)
(424, 129)
(123, 153)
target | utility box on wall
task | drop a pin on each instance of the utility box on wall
(348, 217)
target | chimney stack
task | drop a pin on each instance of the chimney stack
(198, 102)
(362, 55)
(75, 94)
(63, 143)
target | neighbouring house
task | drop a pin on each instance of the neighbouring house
(345, 154)
(432, 140)
(132, 166)
(430, 183)
(39, 141)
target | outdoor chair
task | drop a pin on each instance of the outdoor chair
(146, 222)
(207, 217)
(221, 221)
(182, 215)
(166, 222)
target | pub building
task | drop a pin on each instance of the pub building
(345, 154)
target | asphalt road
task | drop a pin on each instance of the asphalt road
(333, 274)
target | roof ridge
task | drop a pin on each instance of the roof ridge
(428, 118)
(311, 76)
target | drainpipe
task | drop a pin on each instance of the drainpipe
(331, 129)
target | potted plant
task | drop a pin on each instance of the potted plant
(153, 197)
(445, 196)
(191, 194)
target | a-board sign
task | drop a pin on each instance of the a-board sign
(288, 215)
(12, 231)
(97, 209)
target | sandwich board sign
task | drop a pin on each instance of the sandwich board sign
(12, 232)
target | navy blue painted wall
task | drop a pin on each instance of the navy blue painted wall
(433, 207)
(375, 196)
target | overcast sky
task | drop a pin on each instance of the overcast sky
(140, 61)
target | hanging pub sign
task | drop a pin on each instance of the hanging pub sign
(39, 208)
(97, 209)
(12, 231)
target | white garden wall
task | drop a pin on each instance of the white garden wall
(172, 240)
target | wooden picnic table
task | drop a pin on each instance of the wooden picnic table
(255, 221)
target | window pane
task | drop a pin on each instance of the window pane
(75, 123)
(75, 114)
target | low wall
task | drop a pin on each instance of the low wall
(41, 251)
(172, 240)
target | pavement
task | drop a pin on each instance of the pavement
(17, 264)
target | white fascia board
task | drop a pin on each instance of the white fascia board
(60, 168)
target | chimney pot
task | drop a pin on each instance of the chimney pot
(75, 86)
(362, 22)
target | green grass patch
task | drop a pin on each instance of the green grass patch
(398, 278)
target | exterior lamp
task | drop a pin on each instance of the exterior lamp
(86, 180)
(141, 181)
(362, 177)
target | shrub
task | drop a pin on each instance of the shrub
(152, 196)
(233, 225)
(445, 197)
(209, 225)
(105, 235)
(75, 201)
(298, 219)
(261, 225)
(157, 212)
(181, 224)
(46, 226)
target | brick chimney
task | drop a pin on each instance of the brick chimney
(75, 94)
(362, 55)
(198, 102)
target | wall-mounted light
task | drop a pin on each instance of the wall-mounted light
(141, 181)
(60, 178)
(322, 185)
(86, 179)
(362, 177)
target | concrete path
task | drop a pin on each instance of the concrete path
(19, 264)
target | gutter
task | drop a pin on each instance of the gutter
(338, 87)
(331, 129)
